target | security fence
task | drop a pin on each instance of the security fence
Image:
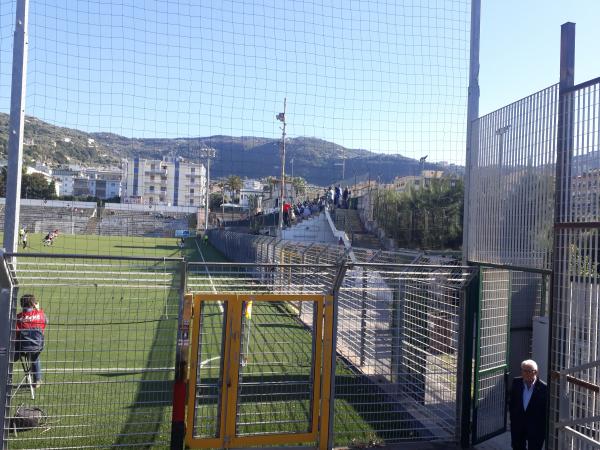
(399, 322)
(533, 213)
(575, 338)
(109, 354)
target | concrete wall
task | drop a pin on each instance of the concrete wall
(145, 208)
(54, 203)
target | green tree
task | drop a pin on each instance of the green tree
(215, 200)
(234, 184)
(299, 184)
(428, 218)
(36, 185)
(3, 182)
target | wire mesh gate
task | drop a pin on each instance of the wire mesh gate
(259, 376)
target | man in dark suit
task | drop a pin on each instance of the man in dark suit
(527, 405)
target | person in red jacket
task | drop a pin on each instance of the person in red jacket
(31, 323)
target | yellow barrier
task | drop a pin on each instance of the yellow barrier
(271, 384)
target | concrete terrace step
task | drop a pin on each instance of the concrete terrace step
(348, 220)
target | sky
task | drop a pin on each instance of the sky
(520, 47)
(384, 75)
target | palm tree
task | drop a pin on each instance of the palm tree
(234, 184)
(299, 184)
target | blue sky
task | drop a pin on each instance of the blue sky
(520, 46)
(384, 75)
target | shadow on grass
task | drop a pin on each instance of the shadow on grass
(148, 423)
(150, 247)
(382, 412)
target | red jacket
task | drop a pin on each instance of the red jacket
(31, 318)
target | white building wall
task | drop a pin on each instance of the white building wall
(162, 178)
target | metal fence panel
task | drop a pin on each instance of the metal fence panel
(575, 337)
(108, 361)
(397, 341)
(511, 190)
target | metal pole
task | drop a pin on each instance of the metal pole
(564, 154)
(281, 117)
(335, 290)
(472, 115)
(7, 316)
(210, 153)
(181, 362)
(15, 127)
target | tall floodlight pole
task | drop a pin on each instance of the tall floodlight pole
(209, 153)
(16, 125)
(465, 367)
(281, 118)
(472, 115)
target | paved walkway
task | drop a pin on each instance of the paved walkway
(501, 442)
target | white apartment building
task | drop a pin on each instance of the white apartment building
(171, 182)
(251, 188)
(64, 179)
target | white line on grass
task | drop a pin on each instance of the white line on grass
(208, 273)
(121, 369)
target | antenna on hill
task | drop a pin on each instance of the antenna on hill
(281, 118)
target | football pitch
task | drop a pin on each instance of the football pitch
(110, 354)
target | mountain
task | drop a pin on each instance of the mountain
(316, 160)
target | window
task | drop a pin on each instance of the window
(151, 188)
(193, 170)
(191, 201)
(163, 189)
(152, 166)
(191, 191)
(151, 177)
(192, 180)
(151, 200)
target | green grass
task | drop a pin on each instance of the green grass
(110, 347)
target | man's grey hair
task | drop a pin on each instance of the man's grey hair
(529, 363)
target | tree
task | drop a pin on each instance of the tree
(253, 203)
(33, 185)
(3, 182)
(215, 200)
(36, 185)
(299, 184)
(429, 217)
(234, 184)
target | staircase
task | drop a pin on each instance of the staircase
(349, 221)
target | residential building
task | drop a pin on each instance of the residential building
(171, 181)
(64, 180)
(251, 188)
(100, 183)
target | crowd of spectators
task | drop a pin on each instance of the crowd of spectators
(332, 198)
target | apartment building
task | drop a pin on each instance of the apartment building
(171, 182)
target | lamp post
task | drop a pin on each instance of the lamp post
(208, 153)
(281, 118)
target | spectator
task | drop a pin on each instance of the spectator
(345, 198)
(31, 323)
(527, 406)
(286, 214)
(330, 196)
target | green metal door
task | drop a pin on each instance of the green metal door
(491, 355)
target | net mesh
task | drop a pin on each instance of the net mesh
(371, 87)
